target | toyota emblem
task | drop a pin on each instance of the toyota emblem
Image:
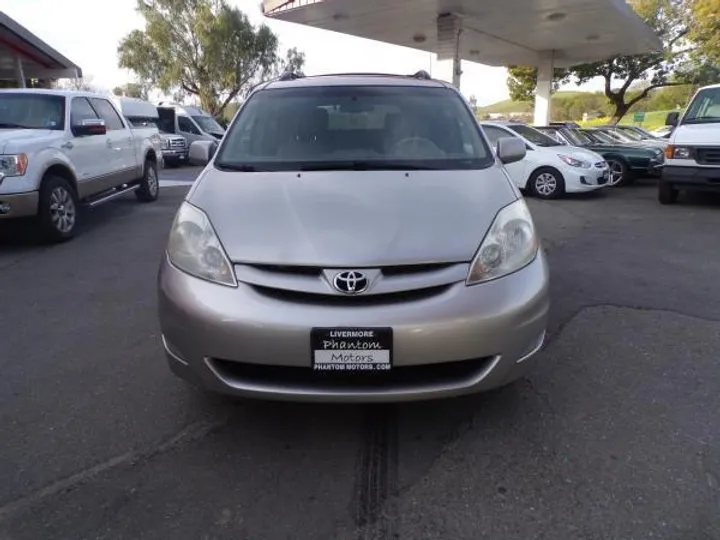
(350, 282)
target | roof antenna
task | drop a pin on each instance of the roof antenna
(422, 74)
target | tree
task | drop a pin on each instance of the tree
(133, 90)
(203, 48)
(669, 19)
(84, 84)
(705, 28)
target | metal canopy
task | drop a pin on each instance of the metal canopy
(37, 59)
(492, 33)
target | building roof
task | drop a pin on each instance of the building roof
(39, 60)
(514, 33)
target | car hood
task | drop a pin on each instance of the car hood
(624, 149)
(696, 134)
(577, 152)
(352, 218)
(19, 136)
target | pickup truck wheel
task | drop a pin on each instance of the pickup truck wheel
(57, 209)
(149, 185)
(667, 194)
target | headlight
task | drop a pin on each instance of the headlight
(678, 152)
(575, 162)
(194, 247)
(13, 165)
(166, 143)
(510, 244)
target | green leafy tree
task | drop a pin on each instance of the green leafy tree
(132, 90)
(669, 19)
(202, 48)
(705, 28)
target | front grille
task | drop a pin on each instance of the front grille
(289, 270)
(410, 269)
(177, 144)
(399, 297)
(708, 156)
(435, 374)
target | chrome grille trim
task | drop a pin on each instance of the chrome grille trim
(313, 280)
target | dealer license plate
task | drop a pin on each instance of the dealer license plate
(351, 349)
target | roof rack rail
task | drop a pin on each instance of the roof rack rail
(422, 74)
(290, 76)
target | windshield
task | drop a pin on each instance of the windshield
(32, 111)
(704, 108)
(142, 121)
(598, 137)
(534, 136)
(208, 124)
(629, 133)
(576, 137)
(354, 127)
(614, 136)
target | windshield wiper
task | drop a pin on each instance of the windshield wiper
(10, 125)
(239, 167)
(701, 119)
(363, 166)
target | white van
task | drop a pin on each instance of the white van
(140, 114)
(692, 159)
(192, 123)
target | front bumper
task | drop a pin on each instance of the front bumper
(578, 180)
(693, 178)
(177, 155)
(463, 340)
(21, 204)
(655, 168)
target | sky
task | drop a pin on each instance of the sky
(97, 26)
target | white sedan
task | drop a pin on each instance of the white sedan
(550, 169)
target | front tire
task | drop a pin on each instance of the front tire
(57, 210)
(547, 183)
(149, 185)
(667, 194)
(619, 173)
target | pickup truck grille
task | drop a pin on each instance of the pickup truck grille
(708, 156)
(177, 144)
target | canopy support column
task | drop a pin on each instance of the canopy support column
(20, 72)
(449, 53)
(543, 91)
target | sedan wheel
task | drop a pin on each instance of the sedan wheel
(618, 173)
(547, 184)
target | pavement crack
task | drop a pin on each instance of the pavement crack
(374, 508)
(635, 307)
(190, 433)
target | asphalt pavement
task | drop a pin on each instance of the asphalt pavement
(614, 435)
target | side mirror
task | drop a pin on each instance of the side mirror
(89, 127)
(201, 152)
(510, 149)
(672, 119)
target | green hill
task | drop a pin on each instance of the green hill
(509, 106)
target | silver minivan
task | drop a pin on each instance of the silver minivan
(353, 238)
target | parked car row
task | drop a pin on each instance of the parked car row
(179, 125)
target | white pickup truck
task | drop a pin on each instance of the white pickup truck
(692, 159)
(63, 149)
